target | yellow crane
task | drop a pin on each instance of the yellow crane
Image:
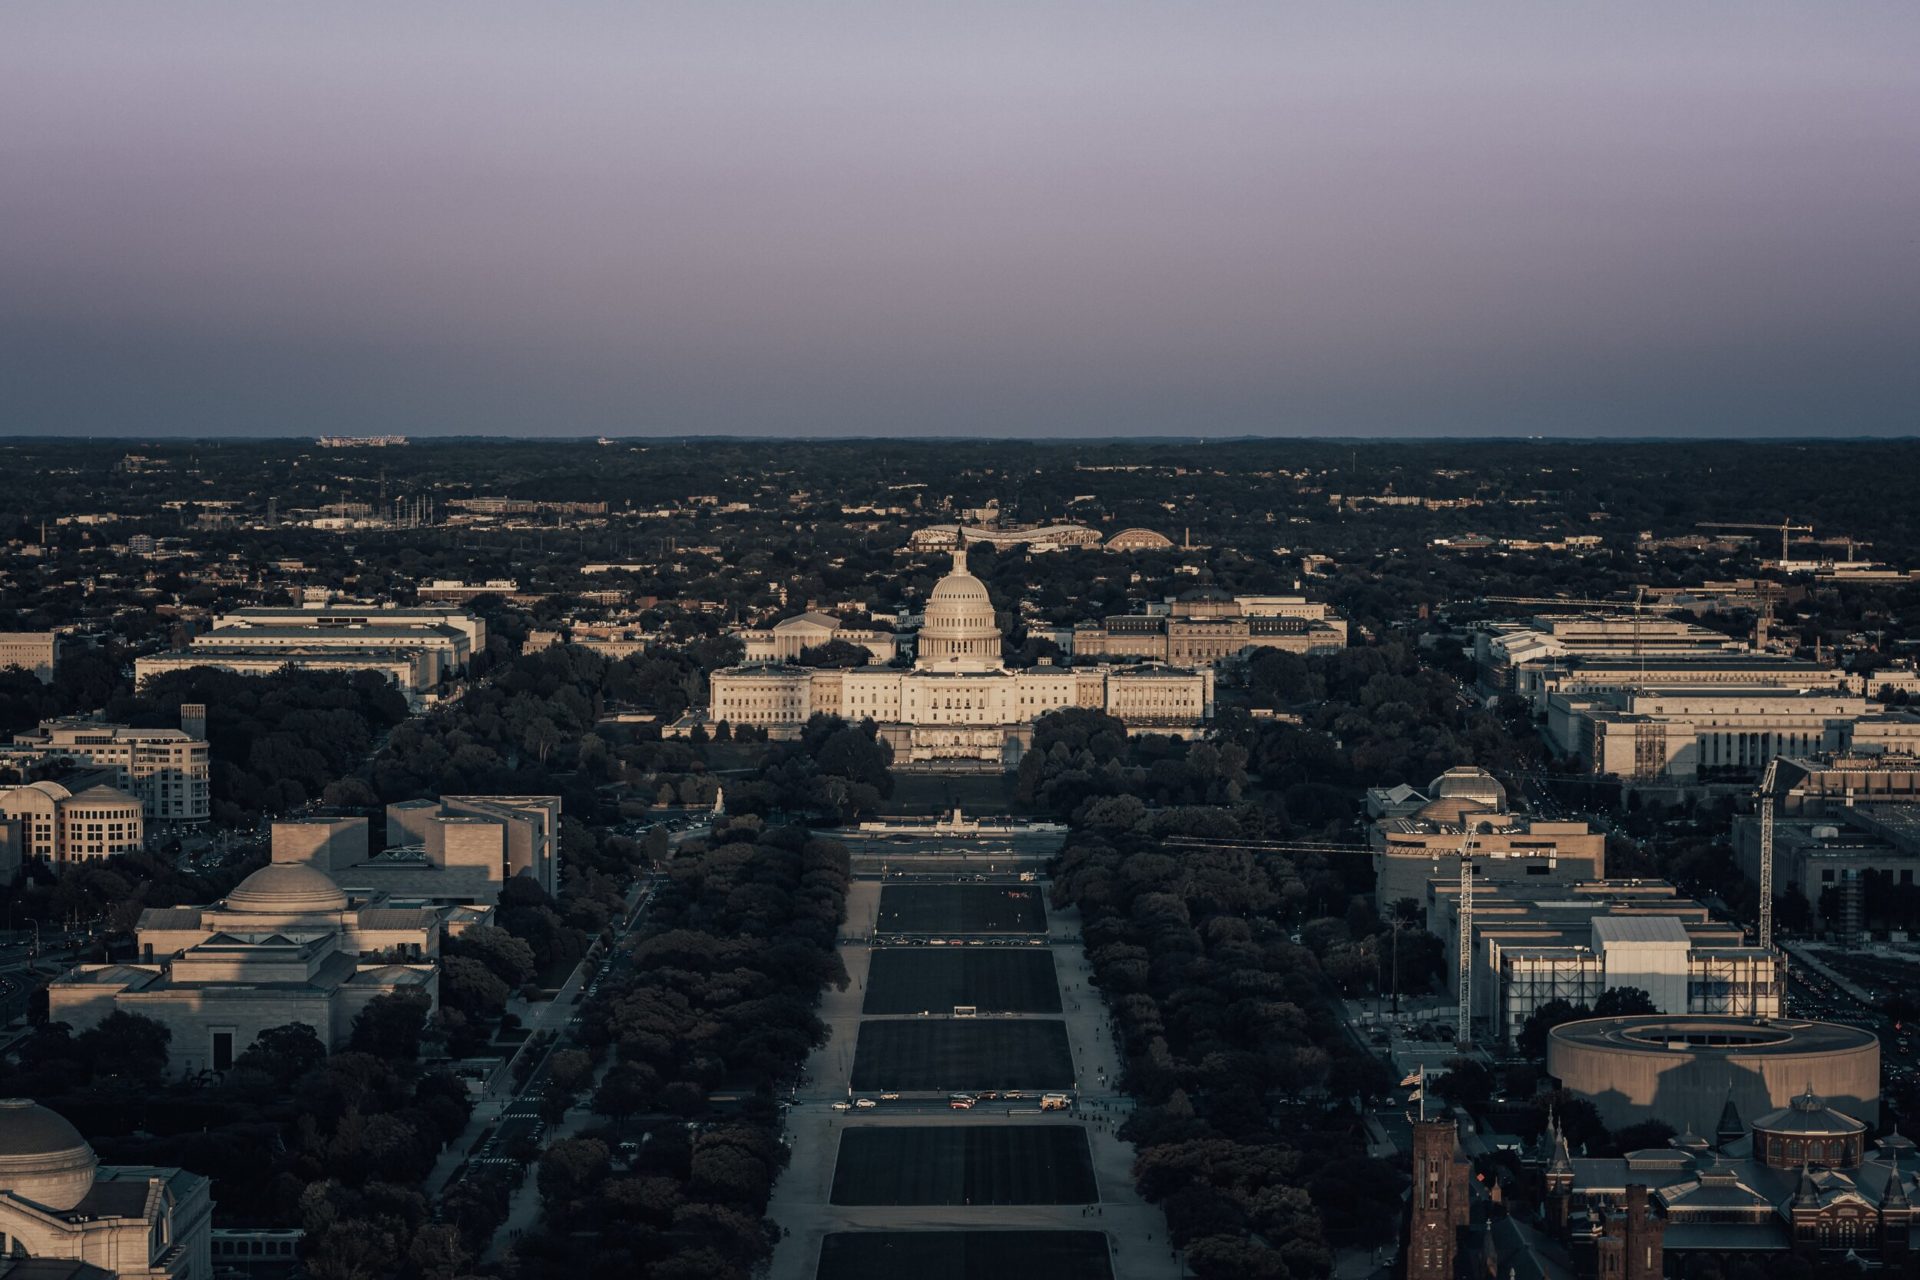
(1785, 529)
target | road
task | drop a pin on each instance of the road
(517, 1109)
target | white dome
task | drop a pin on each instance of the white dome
(43, 1158)
(287, 889)
(959, 621)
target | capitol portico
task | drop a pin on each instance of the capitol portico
(959, 702)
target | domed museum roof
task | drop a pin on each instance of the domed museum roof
(42, 1157)
(286, 888)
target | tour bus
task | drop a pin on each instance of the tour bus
(1055, 1101)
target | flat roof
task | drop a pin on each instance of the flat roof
(1727, 1036)
(1639, 929)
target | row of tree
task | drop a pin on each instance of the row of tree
(722, 998)
(1242, 1076)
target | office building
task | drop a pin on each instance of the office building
(74, 820)
(1845, 824)
(167, 769)
(1206, 625)
(1689, 735)
(415, 648)
(34, 652)
(1417, 836)
(1535, 942)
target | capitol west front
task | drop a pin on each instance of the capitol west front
(959, 702)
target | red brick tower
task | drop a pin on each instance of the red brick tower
(1440, 1203)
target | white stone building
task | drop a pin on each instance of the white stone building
(958, 702)
(787, 639)
(59, 1204)
(287, 945)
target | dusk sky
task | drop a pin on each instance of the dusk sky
(1039, 218)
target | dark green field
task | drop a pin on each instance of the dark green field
(955, 1054)
(964, 1255)
(934, 979)
(961, 908)
(965, 1164)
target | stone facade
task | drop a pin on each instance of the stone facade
(958, 703)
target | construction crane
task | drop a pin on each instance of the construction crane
(1463, 945)
(1785, 528)
(1768, 798)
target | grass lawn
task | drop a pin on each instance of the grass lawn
(934, 979)
(961, 908)
(958, 1054)
(965, 1164)
(964, 1255)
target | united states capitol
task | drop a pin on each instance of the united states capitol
(959, 702)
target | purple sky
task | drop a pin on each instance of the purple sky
(1033, 218)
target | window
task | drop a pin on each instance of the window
(222, 1050)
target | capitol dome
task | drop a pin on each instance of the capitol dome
(43, 1158)
(959, 621)
(287, 889)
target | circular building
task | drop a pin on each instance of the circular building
(1683, 1069)
(1808, 1131)
(1139, 540)
(42, 1157)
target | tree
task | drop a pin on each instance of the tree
(390, 1026)
(1620, 1002)
(126, 1046)
(283, 1054)
(470, 987)
(1533, 1033)
(570, 1070)
(507, 957)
